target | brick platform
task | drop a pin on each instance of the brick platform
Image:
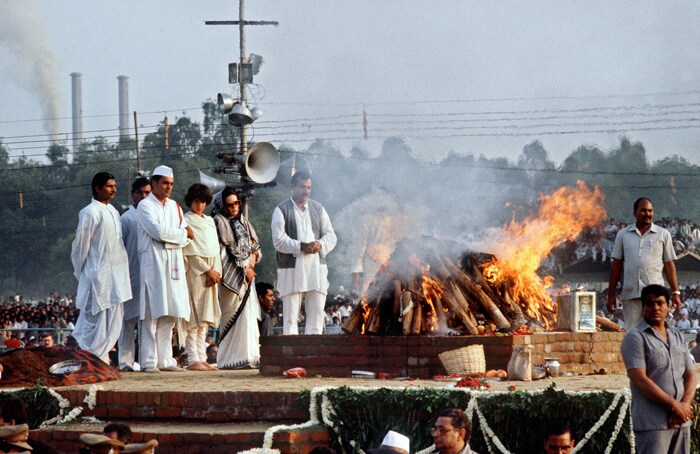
(417, 356)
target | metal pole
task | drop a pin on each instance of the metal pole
(241, 32)
(136, 133)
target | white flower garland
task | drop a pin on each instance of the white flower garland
(63, 403)
(598, 424)
(491, 439)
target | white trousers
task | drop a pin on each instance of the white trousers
(313, 306)
(196, 344)
(97, 333)
(127, 343)
(156, 343)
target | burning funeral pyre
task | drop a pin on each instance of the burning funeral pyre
(431, 286)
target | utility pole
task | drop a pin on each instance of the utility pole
(241, 22)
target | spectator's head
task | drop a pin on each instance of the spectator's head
(322, 450)
(118, 431)
(162, 182)
(451, 431)
(655, 303)
(232, 201)
(393, 443)
(200, 193)
(46, 340)
(13, 411)
(104, 186)
(14, 438)
(212, 351)
(140, 189)
(266, 295)
(558, 438)
(301, 186)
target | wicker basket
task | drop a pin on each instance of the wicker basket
(465, 360)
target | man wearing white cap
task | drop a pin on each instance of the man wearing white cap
(163, 232)
(393, 443)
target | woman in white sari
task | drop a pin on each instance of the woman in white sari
(239, 336)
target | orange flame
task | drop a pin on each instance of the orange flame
(562, 216)
(366, 310)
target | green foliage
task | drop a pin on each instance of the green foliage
(364, 416)
(41, 405)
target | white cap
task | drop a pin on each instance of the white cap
(163, 171)
(397, 440)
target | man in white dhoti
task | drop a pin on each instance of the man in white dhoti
(140, 189)
(163, 232)
(303, 236)
(101, 266)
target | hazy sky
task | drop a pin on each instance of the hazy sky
(478, 77)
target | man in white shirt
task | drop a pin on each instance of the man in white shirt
(101, 266)
(645, 252)
(140, 189)
(163, 232)
(303, 236)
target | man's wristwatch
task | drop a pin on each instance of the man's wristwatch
(676, 292)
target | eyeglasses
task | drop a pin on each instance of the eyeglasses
(233, 204)
(440, 430)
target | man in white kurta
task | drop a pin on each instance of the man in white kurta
(140, 189)
(101, 266)
(163, 232)
(303, 236)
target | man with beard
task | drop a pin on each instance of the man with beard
(303, 236)
(645, 251)
(662, 378)
(140, 189)
(101, 266)
(163, 232)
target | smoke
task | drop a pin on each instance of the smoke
(28, 58)
(398, 194)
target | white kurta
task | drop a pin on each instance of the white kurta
(308, 273)
(99, 259)
(130, 227)
(100, 264)
(162, 235)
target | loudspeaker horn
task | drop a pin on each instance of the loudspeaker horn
(262, 162)
(215, 185)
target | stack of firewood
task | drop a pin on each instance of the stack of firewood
(422, 289)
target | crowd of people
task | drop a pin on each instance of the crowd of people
(597, 242)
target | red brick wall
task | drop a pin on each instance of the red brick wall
(417, 356)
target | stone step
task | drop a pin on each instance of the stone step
(194, 405)
(192, 437)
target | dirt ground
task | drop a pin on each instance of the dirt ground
(253, 381)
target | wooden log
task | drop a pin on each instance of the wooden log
(455, 301)
(354, 322)
(407, 301)
(607, 325)
(417, 322)
(477, 294)
(397, 298)
(375, 318)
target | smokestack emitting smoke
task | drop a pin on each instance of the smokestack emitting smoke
(77, 103)
(29, 60)
(123, 106)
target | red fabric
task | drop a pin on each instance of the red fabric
(29, 366)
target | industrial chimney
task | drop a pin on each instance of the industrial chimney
(123, 106)
(77, 102)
